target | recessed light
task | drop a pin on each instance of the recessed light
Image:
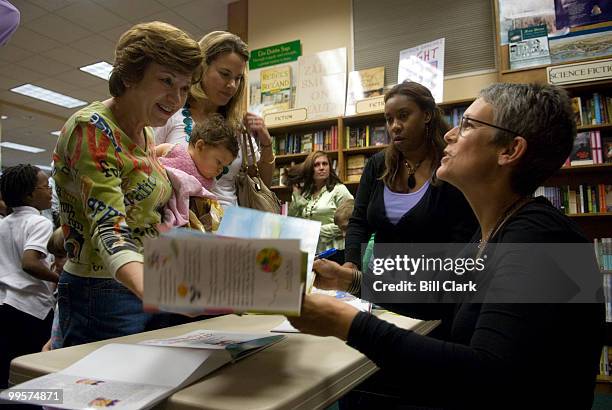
(56, 133)
(49, 96)
(101, 69)
(19, 147)
(3, 117)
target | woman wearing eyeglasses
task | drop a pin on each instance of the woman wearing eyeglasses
(222, 90)
(399, 198)
(531, 336)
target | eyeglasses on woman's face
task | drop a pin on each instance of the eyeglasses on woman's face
(465, 125)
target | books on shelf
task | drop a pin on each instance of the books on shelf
(592, 109)
(136, 376)
(577, 108)
(297, 143)
(582, 152)
(192, 272)
(365, 136)
(588, 149)
(354, 167)
(581, 199)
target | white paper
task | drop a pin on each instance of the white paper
(424, 64)
(321, 85)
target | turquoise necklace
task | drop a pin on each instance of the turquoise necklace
(188, 121)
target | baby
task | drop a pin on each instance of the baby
(193, 169)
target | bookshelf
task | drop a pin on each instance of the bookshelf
(345, 148)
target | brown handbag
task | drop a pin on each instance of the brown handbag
(250, 189)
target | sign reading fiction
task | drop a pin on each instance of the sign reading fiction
(285, 117)
(580, 72)
(373, 104)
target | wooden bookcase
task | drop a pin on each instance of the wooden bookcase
(343, 152)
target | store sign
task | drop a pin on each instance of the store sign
(580, 72)
(285, 117)
(374, 104)
(273, 55)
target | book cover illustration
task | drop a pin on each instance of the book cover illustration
(582, 150)
(188, 271)
(528, 47)
(363, 84)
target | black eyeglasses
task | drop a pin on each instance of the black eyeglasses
(464, 122)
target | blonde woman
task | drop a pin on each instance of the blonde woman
(222, 90)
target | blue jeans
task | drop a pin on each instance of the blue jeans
(92, 309)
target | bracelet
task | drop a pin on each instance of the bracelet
(355, 285)
(272, 161)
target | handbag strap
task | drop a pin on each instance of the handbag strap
(243, 147)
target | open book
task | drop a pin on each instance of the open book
(241, 222)
(189, 271)
(136, 376)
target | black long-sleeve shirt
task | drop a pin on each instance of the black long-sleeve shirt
(497, 355)
(441, 216)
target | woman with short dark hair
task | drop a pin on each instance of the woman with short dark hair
(531, 335)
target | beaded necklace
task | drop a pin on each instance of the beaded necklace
(188, 121)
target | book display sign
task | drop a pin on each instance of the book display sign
(528, 47)
(424, 64)
(275, 55)
(574, 13)
(285, 117)
(321, 85)
(580, 72)
(373, 104)
(273, 77)
(515, 14)
(364, 84)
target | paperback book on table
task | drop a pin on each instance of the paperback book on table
(136, 376)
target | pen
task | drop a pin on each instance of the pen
(326, 253)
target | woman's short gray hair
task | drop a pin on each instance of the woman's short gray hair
(543, 115)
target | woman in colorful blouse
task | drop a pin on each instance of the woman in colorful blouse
(111, 187)
(318, 198)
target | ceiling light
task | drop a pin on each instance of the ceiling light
(56, 133)
(101, 69)
(3, 117)
(48, 96)
(19, 147)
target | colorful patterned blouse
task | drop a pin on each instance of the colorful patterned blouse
(111, 192)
